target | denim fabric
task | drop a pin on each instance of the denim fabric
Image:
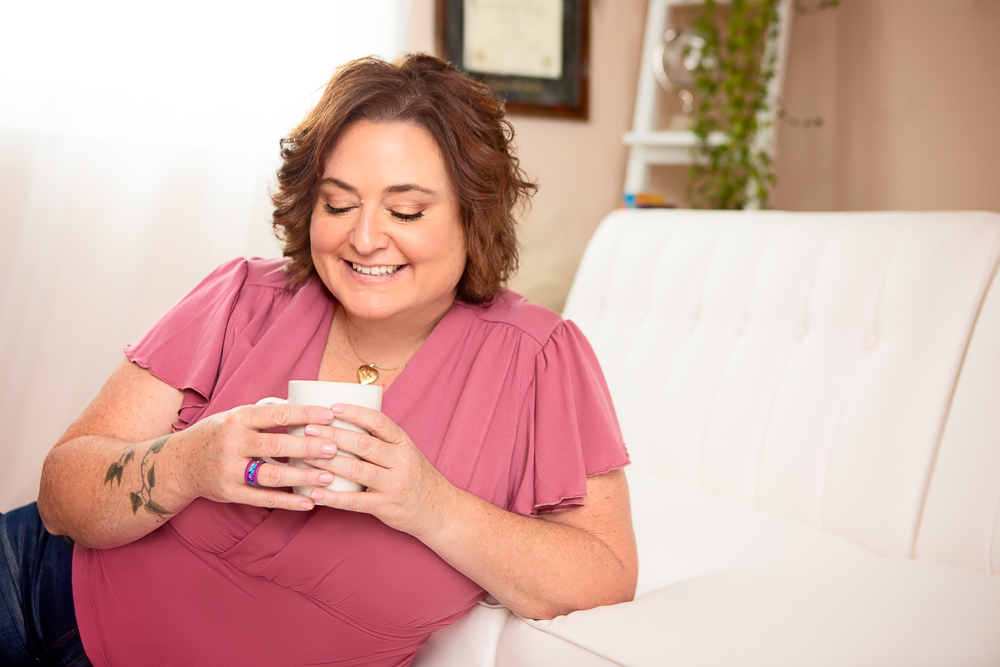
(37, 620)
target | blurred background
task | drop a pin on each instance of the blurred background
(138, 143)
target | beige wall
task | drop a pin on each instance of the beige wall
(909, 92)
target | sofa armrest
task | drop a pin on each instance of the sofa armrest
(470, 642)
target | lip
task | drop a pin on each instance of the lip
(363, 278)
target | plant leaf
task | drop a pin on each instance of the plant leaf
(118, 474)
(129, 456)
(154, 507)
(152, 476)
(136, 501)
(158, 445)
(112, 473)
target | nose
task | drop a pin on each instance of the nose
(368, 234)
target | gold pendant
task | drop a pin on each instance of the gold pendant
(367, 374)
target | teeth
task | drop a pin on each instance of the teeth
(375, 270)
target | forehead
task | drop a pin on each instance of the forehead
(388, 149)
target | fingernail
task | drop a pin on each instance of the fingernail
(326, 478)
(308, 504)
(326, 416)
(312, 429)
(317, 494)
(337, 408)
(329, 449)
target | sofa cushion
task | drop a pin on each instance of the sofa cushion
(682, 532)
(857, 612)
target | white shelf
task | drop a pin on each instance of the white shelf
(672, 138)
(650, 147)
(668, 147)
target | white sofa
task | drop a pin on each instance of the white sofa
(812, 407)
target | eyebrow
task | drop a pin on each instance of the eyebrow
(391, 190)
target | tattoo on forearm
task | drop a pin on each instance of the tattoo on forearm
(144, 496)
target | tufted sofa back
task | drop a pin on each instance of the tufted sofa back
(818, 366)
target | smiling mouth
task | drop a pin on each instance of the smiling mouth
(375, 270)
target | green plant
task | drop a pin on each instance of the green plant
(733, 75)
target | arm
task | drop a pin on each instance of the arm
(118, 473)
(538, 568)
(542, 568)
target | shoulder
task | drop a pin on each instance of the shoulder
(511, 310)
(266, 272)
(255, 276)
(239, 273)
(244, 288)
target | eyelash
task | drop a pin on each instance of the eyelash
(404, 217)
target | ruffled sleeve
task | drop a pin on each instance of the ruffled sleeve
(184, 347)
(573, 429)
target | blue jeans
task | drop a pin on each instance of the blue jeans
(37, 619)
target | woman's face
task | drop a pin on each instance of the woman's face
(385, 232)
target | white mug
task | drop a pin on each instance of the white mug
(325, 394)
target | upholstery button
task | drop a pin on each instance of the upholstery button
(800, 333)
(871, 340)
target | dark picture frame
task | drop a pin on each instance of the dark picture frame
(566, 97)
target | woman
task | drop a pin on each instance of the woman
(494, 466)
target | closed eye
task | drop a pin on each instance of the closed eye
(407, 217)
(337, 211)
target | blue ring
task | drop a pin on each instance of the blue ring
(251, 472)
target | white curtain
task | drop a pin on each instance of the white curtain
(138, 142)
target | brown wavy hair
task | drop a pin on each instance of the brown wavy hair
(467, 122)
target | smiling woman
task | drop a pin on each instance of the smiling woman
(494, 465)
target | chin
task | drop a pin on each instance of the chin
(370, 308)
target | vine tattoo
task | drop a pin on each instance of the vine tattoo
(144, 496)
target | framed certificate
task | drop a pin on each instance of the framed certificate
(532, 53)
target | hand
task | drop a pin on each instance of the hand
(213, 458)
(404, 490)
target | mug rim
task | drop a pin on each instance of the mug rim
(362, 387)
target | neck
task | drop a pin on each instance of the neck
(392, 341)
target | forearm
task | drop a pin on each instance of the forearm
(103, 492)
(536, 568)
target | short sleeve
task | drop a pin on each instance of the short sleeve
(574, 429)
(184, 347)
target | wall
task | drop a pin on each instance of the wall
(908, 90)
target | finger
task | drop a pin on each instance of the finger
(352, 501)
(261, 417)
(248, 495)
(356, 470)
(281, 444)
(360, 444)
(269, 475)
(373, 421)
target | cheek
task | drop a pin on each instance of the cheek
(322, 238)
(459, 256)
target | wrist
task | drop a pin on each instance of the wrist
(177, 489)
(454, 517)
(449, 512)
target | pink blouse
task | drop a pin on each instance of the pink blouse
(507, 401)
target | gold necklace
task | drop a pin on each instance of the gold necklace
(367, 372)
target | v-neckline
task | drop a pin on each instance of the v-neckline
(414, 360)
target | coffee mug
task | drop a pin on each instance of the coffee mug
(325, 394)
